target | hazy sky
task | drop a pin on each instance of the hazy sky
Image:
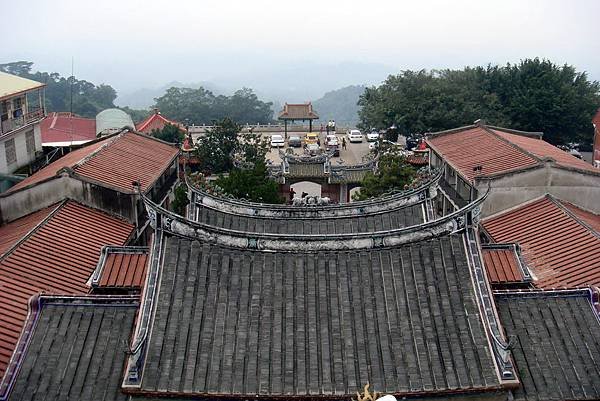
(132, 44)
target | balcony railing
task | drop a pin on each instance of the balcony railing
(17, 122)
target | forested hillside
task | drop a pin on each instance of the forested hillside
(340, 105)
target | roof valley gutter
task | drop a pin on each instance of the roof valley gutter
(18, 355)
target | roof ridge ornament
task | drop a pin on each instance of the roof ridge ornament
(458, 221)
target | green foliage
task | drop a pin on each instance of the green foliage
(224, 147)
(393, 173)
(216, 148)
(181, 200)
(201, 106)
(88, 99)
(137, 115)
(534, 95)
(170, 133)
(252, 184)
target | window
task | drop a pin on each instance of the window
(17, 107)
(4, 110)
(11, 152)
(30, 142)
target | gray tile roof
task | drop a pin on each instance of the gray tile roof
(77, 351)
(239, 322)
(394, 219)
(310, 170)
(556, 345)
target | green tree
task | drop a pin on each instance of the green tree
(534, 95)
(216, 148)
(64, 94)
(201, 106)
(252, 184)
(170, 133)
(393, 173)
(181, 200)
(137, 115)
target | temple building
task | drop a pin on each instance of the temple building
(297, 112)
(241, 301)
(155, 121)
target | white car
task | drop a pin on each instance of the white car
(354, 135)
(331, 140)
(372, 136)
(277, 141)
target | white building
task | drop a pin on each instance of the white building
(21, 110)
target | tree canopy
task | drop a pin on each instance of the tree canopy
(252, 184)
(88, 99)
(201, 106)
(170, 133)
(243, 156)
(534, 95)
(393, 174)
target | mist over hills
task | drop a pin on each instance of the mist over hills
(340, 105)
(292, 83)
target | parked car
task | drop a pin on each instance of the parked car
(311, 137)
(373, 136)
(312, 149)
(332, 144)
(277, 141)
(294, 141)
(354, 135)
(331, 140)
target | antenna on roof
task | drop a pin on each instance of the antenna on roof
(71, 108)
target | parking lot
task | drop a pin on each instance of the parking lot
(354, 153)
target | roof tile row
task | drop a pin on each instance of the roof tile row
(561, 251)
(57, 257)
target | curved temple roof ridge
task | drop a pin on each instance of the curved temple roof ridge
(221, 252)
(162, 219)
(427, 190)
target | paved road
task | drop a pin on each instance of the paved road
(353, 154)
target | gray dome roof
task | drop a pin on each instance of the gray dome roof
(112, 120)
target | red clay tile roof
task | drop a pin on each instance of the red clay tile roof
(152, 122)
(560, 250)
(52, 169)
(57, 257)
(60, 129)
(115, 162)
(497, 150)
(123, 267)
(12, 232)
(298, 112)
(541, 149)
(502, 264)
(476, 146)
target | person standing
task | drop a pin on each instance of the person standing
(344, 143)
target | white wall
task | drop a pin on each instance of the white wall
(23, 158)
